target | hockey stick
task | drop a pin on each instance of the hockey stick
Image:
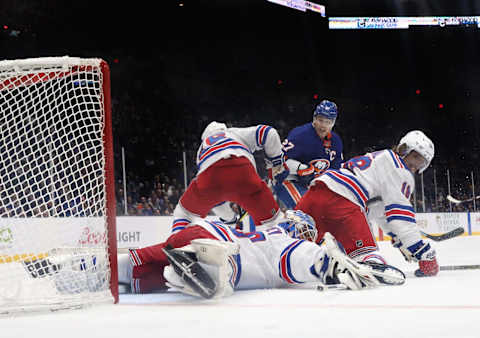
(459, 267)
(447, 235)
(457, 201)
(322, 287)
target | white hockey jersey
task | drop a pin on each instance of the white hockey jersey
(268, 259)
(379, 174)
(239, 142)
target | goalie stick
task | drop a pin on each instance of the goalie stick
(447, 235)
(457, 201)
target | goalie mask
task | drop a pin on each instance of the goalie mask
(418, 141)
(300, 225)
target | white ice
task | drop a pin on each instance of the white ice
(444, 306)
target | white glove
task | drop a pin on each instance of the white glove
(418, 251)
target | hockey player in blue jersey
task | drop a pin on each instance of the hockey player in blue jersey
(310, 149)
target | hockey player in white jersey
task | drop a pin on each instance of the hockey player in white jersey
(209, 259)
(337, 201)
(227, 172)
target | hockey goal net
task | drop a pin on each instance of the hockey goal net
(57, 197)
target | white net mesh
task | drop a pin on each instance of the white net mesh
(52, 184)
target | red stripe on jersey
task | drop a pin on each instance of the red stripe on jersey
(224, 145)
(352, 184)
(398, 159)
(394, 212)
(292, 190)
(260, 135)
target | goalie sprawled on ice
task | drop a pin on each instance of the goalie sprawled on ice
(209, 259)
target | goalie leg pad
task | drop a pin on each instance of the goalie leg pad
(213, 252)
(191, 272)
(216, 258)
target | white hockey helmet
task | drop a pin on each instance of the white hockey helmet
(418, 141)
(212, 127)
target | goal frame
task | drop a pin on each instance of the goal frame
(29, 78)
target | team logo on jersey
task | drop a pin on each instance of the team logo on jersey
(359, 243)
(320, 165)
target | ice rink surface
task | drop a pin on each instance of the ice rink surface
(444, 306)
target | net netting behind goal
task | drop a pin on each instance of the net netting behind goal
(57, 207)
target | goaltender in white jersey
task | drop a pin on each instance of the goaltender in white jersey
(338, 199)
(210, 259)
(281, 256)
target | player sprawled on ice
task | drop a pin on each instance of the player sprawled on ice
(210, 259)
(337, 200)
(227, 172)
(310, 149)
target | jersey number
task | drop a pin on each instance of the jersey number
(214, 138)
(256, 236)
(360, 162)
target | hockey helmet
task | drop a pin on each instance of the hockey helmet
(327, 109)
(300, 225)
(212, 127)
(418, 141)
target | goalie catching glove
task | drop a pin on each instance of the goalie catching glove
(338, 268)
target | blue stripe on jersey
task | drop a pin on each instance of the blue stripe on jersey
(221, 149)
(399, 206)
(214, 145)
(284, 266)
(393, 159)
(400, 212)
(275, 158)
(401, 218)
(261, 134)
(354, 179)
(237, 269)
(396, 159)
(219, 231)
(180, 224)
(349, 187)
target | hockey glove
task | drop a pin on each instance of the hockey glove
(427, 268)
(422, 253)
(279, 174)
(306, 173)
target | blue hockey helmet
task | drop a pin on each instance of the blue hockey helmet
(327, 109)
(300, 225)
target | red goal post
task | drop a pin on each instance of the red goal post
(57, 188)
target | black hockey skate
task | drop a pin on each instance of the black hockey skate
(187, 267)
(386, 274)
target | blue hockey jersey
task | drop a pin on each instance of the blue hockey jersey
(304, 145)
